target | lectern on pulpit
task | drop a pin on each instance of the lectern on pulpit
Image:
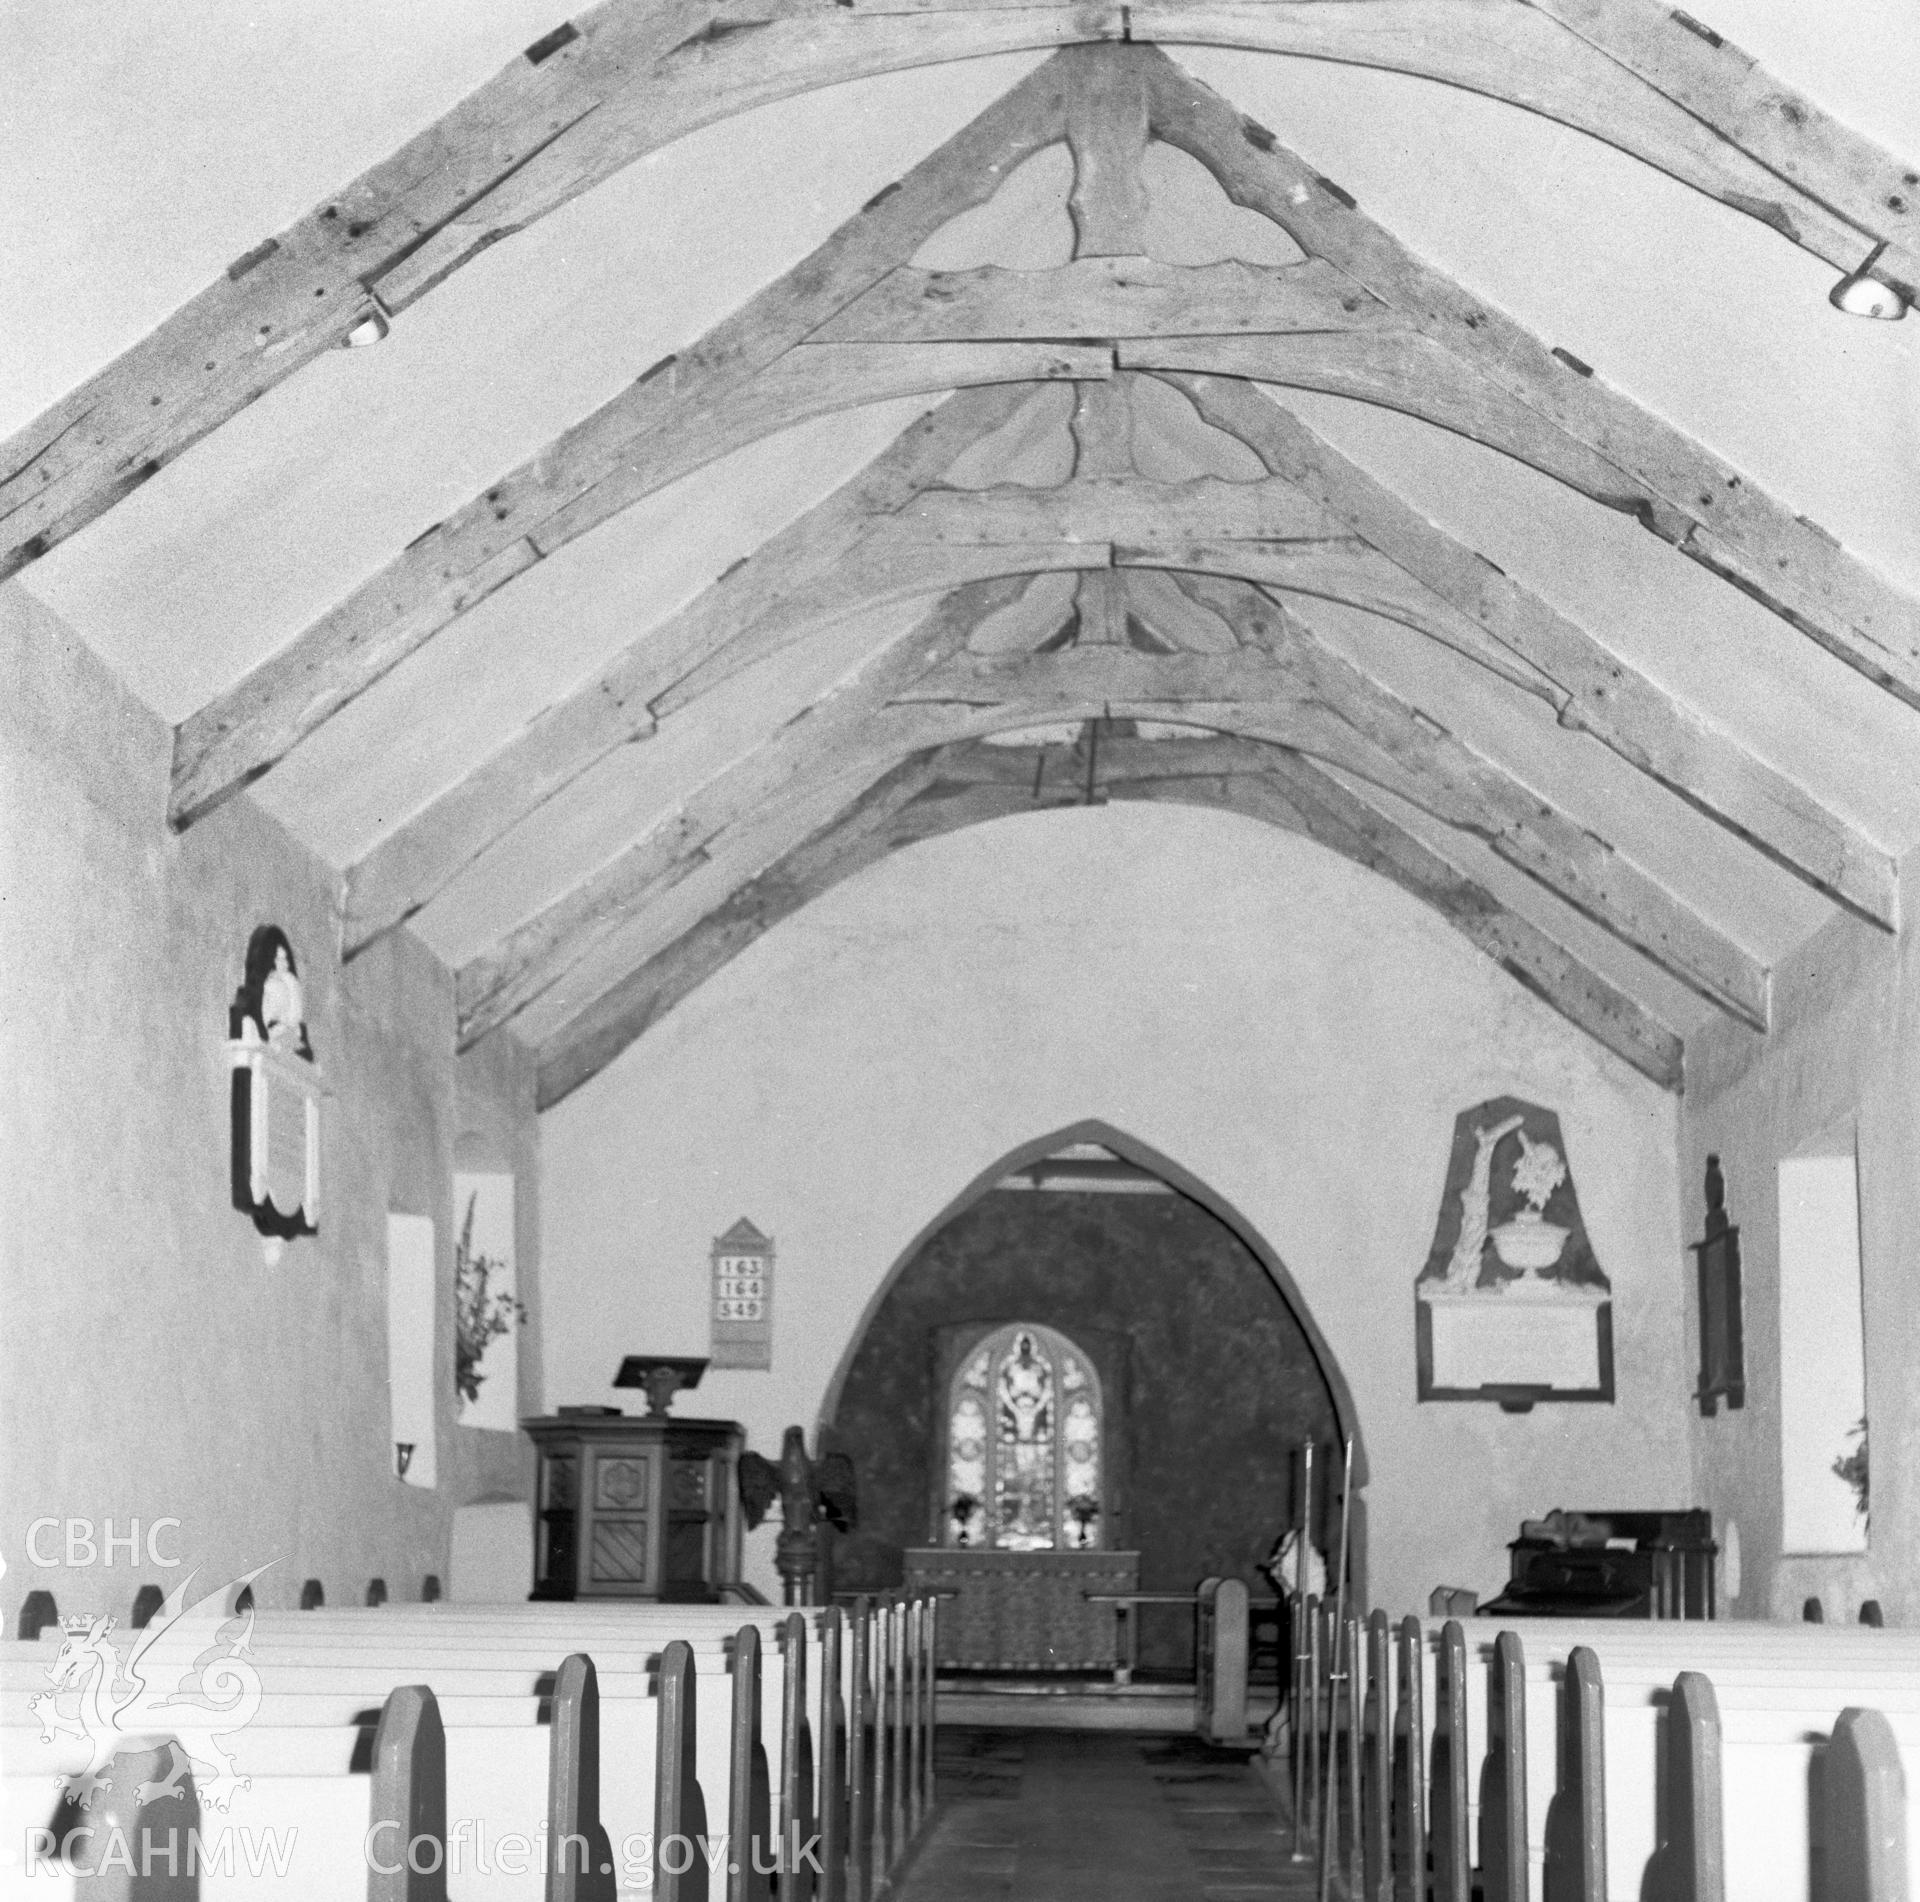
(632, 1507)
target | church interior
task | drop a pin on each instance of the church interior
(1035, 751)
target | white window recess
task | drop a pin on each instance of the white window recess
(1823, 1379)
(483, 1222)
(412, 1306)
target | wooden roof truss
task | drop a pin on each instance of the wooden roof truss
(1132, 603)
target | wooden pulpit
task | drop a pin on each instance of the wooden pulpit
(636, 1508)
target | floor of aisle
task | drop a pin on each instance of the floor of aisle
(1092, 1816)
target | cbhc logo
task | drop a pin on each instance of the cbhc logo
(82, 1548)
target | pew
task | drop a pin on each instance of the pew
(1355, 1763)
(831, 1754)
(1866, 1799)
(679, 1805)
(1408, 1838)
(899, 1654)
(1779, 1689)
(1781, 1768)
(1575, 1860)
(581, 1865)
(1448, 1754)
(1689, 1862)
(749, 1780)
(1503, 1777)
(860, 1764)
(1376, 1731)
(1310, 1689)
(797, 1833)
(406, 1852)
(318, 1671)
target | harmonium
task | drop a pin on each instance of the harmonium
(1610, 1565)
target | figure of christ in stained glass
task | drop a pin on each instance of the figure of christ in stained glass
(1026, 1476)
(1024, 1451)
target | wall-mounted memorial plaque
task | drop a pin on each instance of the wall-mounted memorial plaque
(1511, 1305)
(276, 1096)
(743, 1297)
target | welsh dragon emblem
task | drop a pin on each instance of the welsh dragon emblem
(179, 1681)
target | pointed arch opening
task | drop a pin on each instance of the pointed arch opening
(1199, 1371)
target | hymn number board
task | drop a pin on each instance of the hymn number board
(743, 1297)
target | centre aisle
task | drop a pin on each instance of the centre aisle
(1091, 1816)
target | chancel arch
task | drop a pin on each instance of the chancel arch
(1039, 1374)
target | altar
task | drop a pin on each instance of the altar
(1023, 1611)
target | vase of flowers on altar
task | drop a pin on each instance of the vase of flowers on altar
(1528, 1241)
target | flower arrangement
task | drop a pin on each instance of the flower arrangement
(479, 1317)
(1538, 1173)
(1852, 1467)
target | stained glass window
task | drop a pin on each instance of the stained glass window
(1023, 1445)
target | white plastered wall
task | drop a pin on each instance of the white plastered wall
(1291, 1030)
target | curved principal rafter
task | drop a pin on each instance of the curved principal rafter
(887, 533)
(943, 789)
(633, 75)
